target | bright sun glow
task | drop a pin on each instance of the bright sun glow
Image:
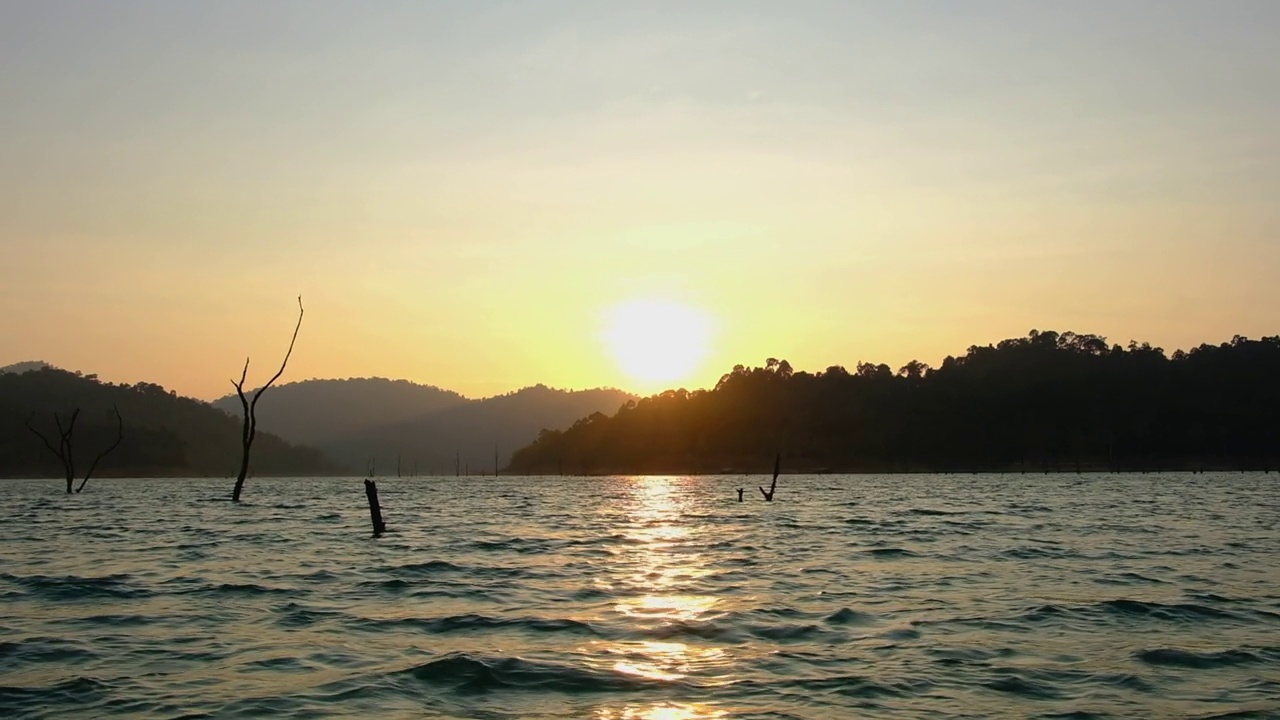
(656, 341)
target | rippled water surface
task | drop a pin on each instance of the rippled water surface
(647, 597)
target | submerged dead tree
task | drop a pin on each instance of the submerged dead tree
(250, 407)
(773, 486)
(64, 451)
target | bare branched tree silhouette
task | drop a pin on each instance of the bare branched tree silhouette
(64, 451)
(250, 407)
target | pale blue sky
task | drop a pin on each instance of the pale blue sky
(462, 188)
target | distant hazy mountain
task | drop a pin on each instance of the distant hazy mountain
(164, 434)
(23, 367)
(314, 412)
(373, 419)
(465, 437)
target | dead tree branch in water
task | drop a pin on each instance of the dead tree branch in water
(64, 451)
(119, 436)
(250, 429)
(773, 486)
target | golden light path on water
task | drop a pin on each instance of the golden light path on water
(661, 563)
(663, 711)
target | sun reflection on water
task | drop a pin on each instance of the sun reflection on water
(674, 608)
(661, 559)
(665, 660)
(657, 574)
(661, 711)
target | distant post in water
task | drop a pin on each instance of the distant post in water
(740, 494)
(773, 486)
(375, 510)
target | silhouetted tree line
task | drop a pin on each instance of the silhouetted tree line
(167, 435)
(1049, 401)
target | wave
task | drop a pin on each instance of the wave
(76, 691)
(1016, 685)
(855, 686)
(1190, 613)
(966, 656)
(845, 616)
(75, 587)
(1129, 578)
(472, 622)
(294, 615)
(1030, 507)
(515, 544)
(431, 567)
(1260, 714)
(789, 612)
(1032, 552)
(477, 674)
(1181, 612)
(1174, 657)
(14, 655)
(124, 620)
(890, 552)
(242, 589)
(687, 629)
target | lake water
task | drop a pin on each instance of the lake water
(645, 598)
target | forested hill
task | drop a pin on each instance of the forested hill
(164, 435)
(1046, 401)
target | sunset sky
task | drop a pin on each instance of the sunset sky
(472, 194)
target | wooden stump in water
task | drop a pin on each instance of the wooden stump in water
(375, 510)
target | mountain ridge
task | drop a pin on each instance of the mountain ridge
(23, 367)
(384, 422)
(165, 435)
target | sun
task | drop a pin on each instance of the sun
(657, 341)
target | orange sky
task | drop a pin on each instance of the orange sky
(461, 193)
